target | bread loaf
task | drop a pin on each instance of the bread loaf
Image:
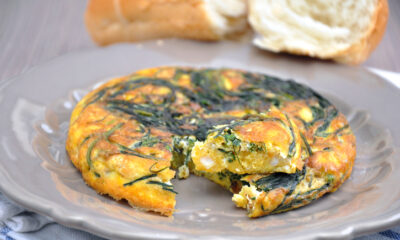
(110, 21)
(346, 31)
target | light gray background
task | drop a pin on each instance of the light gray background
(34, 31)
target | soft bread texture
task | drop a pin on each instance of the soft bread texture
(110, 21)
(346, 31)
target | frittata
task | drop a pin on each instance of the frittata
(276, 145)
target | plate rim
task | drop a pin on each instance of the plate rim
(17, 194)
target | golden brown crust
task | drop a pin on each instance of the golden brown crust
(110, 21)
(360, 51)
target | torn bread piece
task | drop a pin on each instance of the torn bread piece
(345, 31)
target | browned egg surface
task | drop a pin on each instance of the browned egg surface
(277, 145)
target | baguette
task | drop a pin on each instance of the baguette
(110, 21)
(345, 31)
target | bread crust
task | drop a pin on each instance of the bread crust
(110, 21)
(360, 51)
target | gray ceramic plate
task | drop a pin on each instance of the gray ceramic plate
(36, 173)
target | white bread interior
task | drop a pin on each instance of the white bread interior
(226, 17)
(343, 30)
(110, 21)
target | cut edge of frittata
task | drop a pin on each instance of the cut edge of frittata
(258, 144)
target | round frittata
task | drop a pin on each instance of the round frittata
(276, 145)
